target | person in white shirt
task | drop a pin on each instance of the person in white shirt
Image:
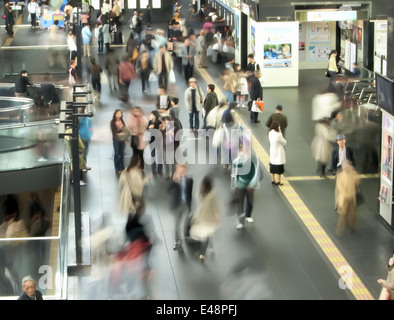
(72, 46)
(106, 8)
(277, 153)
(32, 8)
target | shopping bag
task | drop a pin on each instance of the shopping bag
(152, 77)
(257, 106)
(217, 137)
(171, 77)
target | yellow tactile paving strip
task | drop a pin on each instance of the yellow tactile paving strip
(54, 248)
(337, 260)
(9, 40)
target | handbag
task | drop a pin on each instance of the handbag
(71, 78)
(257, 106)
(327, 74)
(217, 137)
(152, 77)
(171, 77)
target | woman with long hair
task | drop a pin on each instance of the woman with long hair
(120, 134)
(132, 184)
(206, 220)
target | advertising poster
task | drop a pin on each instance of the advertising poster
(236, 31)
(387, 157)
(319, 53)
(319, 32)
(252, 39)
(277, 48)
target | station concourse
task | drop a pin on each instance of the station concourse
(289, 252)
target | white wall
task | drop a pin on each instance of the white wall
(270, 34)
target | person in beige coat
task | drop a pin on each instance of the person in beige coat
(132, 184)
(163, 63)
(206, 219)
(137, 126)
(345, 197)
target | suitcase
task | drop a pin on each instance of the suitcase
(117, 38)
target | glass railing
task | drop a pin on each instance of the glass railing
(44, 258)
(16, 110)
(30, 145)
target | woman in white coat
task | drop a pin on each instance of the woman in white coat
(132, 185)
(277, 153)
(206, 219)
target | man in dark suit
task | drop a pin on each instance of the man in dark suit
(181, 188)
(341, 154)
(29, 290)
(256, 93)
(9, 21)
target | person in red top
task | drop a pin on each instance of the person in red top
(126, 74)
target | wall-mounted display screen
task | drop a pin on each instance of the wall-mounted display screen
(385, 92)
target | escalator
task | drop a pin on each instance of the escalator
(34, 168)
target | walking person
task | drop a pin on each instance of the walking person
(206, 219)
(155, 124)
(256, 93)
(321, 145)
(345, 197)
(72, 45)
(85, 131)
(86, 38)
(181, 189)
(126, 75)
(246, 178)
(144, 67)
(106, 34)
(211, 101)
(120, 134)
(132, 182)
(230, 139)
(332, 70)
(32, 8)
(188, 52)
(277, 153)
(147, 16)
(137, 126)
(95, 72)
(9, 21)
(163, 63)
(341, 153)
(112, 67)
(202, 49)
(194, 98)
(100, 38)
(163, 101)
